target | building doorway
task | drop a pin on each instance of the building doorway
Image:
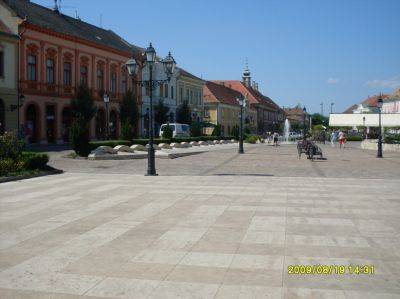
(50, 124)
(31, 126)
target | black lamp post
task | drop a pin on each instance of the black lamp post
(134, 66)
(242, 103)
(332, 107)
(304, 122)
(106, 99)
(20, 102)
(379, 154)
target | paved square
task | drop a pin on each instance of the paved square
(99, 235)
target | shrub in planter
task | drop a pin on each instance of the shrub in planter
(34, 161)
(11, 146)
(251, 139)
(79, 137)
(9, 165)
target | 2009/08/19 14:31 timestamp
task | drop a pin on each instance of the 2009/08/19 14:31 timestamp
(331, 269)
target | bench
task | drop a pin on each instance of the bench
(309, 148)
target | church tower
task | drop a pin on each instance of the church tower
(246, 76)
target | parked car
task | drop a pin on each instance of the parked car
(178, 130)
(294, 135)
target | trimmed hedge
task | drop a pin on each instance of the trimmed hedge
(251, 139)
(27, 161)
(34, 161)
(354, 138)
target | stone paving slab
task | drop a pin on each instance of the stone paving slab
(258, 160)
(100, 235)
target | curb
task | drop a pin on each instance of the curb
(24, 177)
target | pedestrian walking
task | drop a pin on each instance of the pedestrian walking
(276, 138)
(342, 139)
(333, 138)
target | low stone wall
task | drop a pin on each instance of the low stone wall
(372, 144)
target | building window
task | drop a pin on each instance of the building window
(147, 87)
(100, 79)
(1, 63)
(67, 74)
(50, 71)
(191, 97)
(166, 90)
(172, 92)
(124, 85)
(84, 75)
(31, 68)
(181, 95)
(113, 82)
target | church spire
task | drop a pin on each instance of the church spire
(247, 75)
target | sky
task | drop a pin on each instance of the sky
(303, 52)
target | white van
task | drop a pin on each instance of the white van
(178, 130)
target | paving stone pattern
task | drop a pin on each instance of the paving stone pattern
(99, 235)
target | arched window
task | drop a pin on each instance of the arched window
(83, 71)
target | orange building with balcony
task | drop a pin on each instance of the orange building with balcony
(57, 54)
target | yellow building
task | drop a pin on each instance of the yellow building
(190, 89)
(222, 108)
(9, 41)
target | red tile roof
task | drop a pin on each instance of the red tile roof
(254, 96)
(371, 101)
(217, 93)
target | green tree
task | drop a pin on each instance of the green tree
(161, 111)
(82, 111)
(318, 119)
(195, 129)
(128, 113)
(83, 104)
(235, 132)
(184, 114)
(217, 131)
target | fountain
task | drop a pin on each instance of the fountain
(286, 130)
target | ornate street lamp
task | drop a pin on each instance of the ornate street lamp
(106, 99)
(133, 67)
(20, 103)
(379, 154)
(304, 122)
(242, 103)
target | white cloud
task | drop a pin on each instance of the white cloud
(389, 83)
(333, 80)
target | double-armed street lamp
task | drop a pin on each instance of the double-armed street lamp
(133, 68)
(20, 103)
(304, 122)
(242, 103)
(379, 154)
(106, 99)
